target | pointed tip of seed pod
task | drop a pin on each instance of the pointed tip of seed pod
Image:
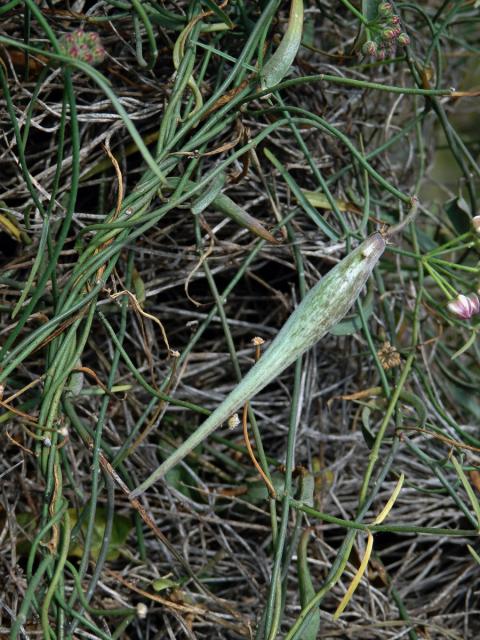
(373, 245)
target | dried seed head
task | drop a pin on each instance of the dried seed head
(389, 356)
(142, 610)
(257, 341)
(233, 421)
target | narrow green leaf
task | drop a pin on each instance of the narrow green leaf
(370, 9)
(319, 200)
(35, 267)
(164, 583)
(468, 488)
(466, 346)
(475, 555)
(459, 214)
(227, 206)
(302, 200)
(209, 195)
(211, 4)
(306, 589)
(139, 286)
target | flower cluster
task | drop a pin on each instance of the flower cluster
(465, 307)
(384, 33)
(83, 45)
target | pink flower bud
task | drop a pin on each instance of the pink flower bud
(99, 53)
(388, 34)
(370, 48)
(395, 20)
(464, 307)
(403, 40)
(385, 9)
(92, 38)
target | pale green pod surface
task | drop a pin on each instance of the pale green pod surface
(324, 305)
(279, 64)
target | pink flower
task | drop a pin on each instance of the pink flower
(476, 224)
(464, 307)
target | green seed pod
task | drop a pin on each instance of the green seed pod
(279, 64)
(324, 305)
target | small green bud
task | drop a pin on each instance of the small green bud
(388, 34)
(385, 9)
(403, 39)
(370, 48)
